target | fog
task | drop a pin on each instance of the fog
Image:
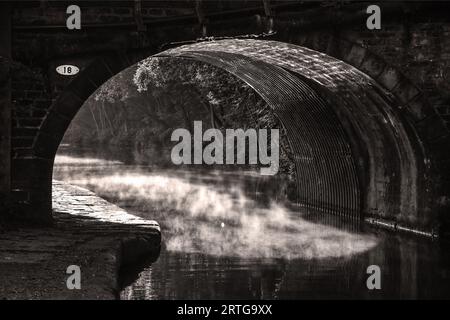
(214, 219)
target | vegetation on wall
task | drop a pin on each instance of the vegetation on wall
(140, 108)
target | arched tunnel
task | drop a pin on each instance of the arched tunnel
(101, 107)
(352, 153)
(356, 151)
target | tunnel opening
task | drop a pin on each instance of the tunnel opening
(354, 152)
(316, 160)
(389, 162)
(141, 107)
(218, 211)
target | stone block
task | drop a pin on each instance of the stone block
(356, 56)
(67, 105)
(405, 91)
(55, 124)
(432, 128)
(389, 78)
(373, 65)
(420, 108)
(46, 145)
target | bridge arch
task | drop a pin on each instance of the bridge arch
(378, 165)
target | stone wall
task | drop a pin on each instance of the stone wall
(5, 111)
(410, 55)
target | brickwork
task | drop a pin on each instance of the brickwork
(5, 112)
(408, 59)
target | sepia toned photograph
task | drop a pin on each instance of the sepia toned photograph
(224, 150)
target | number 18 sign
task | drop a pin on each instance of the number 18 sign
(67, 70)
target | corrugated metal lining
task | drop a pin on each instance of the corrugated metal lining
(382, 140)
(326, 173)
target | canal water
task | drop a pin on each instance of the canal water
(226, 235)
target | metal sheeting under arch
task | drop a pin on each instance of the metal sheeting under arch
(326, 174)
(388, 154)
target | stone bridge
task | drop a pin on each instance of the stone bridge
(367, 112)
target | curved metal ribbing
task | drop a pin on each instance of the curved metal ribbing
(326, 173)
(387, 158)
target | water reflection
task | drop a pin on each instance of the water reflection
(409, 275)
(221, 241)
(217, 219)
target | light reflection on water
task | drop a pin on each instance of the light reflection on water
(208, 219)
(221, 243)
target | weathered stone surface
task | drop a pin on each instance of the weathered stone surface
(5, 110)
(89, 232)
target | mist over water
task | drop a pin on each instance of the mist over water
(213, 219)
(62, 160)
(223, 238)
